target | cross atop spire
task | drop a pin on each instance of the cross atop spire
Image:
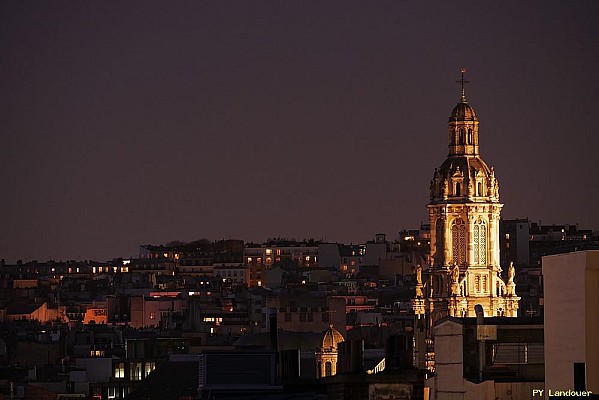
(463, 83)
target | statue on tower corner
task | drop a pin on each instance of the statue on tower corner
(511, 286)
(455, 273)
(455, 276)
(511, 272)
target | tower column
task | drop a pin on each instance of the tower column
(493, 233)
(470, 260)
(447, 238)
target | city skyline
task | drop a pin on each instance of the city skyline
(142, 123)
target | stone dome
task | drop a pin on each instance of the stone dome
(476, 180)
(463, 111)
(331, 339)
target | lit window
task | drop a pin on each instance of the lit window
(507, 236)
(119, 370)
(150, 366)
(268, 252)
(249, 259)
(135, 371)
(259, 283)
(152, 315)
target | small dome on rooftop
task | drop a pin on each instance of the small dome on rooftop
(331, 339)
(463, 111)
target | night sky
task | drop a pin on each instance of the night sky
(126, 123)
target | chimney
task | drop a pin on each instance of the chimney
(351, 356)
(398, 352)
(273, 327)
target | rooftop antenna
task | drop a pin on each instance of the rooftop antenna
(463, 82)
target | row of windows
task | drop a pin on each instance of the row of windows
(307, 317)
(465, 138)
(302, 309)
(137, 370)
(459, 242)
(230, 273)
(457, 190)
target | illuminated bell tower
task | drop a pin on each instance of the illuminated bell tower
(464, 212)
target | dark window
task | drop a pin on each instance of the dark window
(579, 376)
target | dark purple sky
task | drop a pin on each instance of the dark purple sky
(142, 122)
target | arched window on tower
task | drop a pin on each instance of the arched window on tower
(439, 242)
(457, 189)
(328, 369)
(479, 242)
(479, 189)
(458, 241)
(469, 135)
(461, 136)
